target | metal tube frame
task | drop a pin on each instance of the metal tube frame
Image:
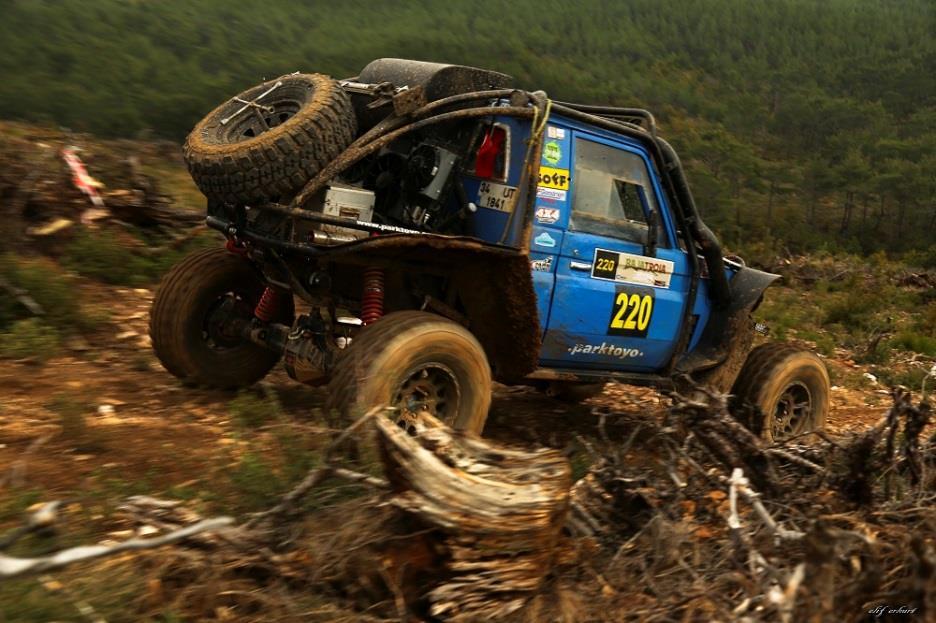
(393, 127)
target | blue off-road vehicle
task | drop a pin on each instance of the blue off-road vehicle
(442, 229)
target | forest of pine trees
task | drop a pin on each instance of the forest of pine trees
(805, 124)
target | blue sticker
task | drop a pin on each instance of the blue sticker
(545, 240)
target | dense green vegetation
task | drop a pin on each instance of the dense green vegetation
(804, 124)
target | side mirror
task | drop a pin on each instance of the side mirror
(653, 226)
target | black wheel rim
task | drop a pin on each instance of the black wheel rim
(216, 328)
(427, 388)
(793, 412)
(257, 111)
(256, 122)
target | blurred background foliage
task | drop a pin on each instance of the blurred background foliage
(805, 125)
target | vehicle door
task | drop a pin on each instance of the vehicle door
(619, 295)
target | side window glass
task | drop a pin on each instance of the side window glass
(612, 195)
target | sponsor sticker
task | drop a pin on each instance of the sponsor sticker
(545, 240)
(606, 350)
(544, 265)
(628, 268)
(547, 216)
(551, 194)
(554, 132)
(496, 196)
(552, 152)
(554, 178)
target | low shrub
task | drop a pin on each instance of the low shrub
(853, 310)
(47, 285)
(911, 378)
(928, 320)
(72, 412)
(916, 342)
(103, 256)
(100, 256)
(30, 338)
(255, 482)
(252, 408)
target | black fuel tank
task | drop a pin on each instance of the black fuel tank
(438, 81)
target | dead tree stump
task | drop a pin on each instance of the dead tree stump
(498, 511)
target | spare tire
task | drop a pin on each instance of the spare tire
(267, 142)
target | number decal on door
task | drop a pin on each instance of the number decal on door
(631, 312)
(606, 263)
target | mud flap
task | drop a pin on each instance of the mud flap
(728, 336)
(494, 284)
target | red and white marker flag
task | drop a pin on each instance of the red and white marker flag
(85, 183)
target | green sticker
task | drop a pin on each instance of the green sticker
(552, 153)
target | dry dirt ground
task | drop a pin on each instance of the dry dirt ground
(146, 428)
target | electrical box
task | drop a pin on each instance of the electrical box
(348, 202)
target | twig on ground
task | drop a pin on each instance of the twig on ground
(11, 567)
(22, 296)
(740, 484)
(792, 458)
(785, 599)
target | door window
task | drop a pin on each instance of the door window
(612, 195)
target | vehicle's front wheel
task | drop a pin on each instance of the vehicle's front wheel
(789, 385)
(188, 320)
(416, 362)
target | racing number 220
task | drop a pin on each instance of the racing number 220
(631, 312)
(604, 265)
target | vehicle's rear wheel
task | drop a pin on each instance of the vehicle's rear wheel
(187, 321)
(790, 386)
(414, 361)
(268, 141)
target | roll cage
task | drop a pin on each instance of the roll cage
(411, 111)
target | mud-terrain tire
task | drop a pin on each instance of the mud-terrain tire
(310, 123)
(573, 393)
(410, 353)
(179, 317)
(789, 385)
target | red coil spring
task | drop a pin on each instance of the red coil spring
(235, 248)
(372, 299)
(268, 306)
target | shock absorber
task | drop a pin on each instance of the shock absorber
(372, 298)
(268, 305)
